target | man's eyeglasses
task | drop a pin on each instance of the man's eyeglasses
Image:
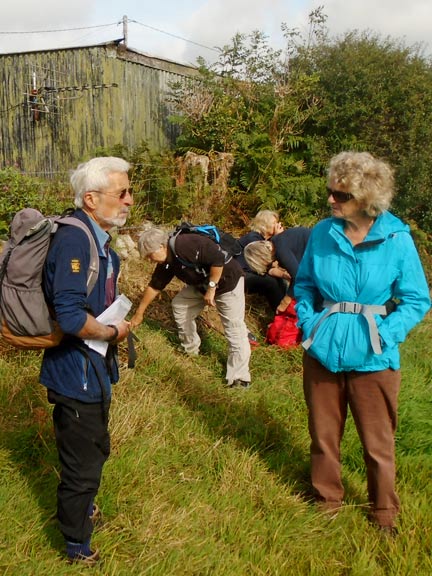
(120, 196)
(339, 196)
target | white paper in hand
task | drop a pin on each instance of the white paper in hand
(114, 314)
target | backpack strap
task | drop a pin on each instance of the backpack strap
(366, 310)
(93, 271)
(171, 242)
(208, 230)
(186, 263)
(171, 245)
(132, 355)
(6, 254)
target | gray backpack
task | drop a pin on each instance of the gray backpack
(26, 321)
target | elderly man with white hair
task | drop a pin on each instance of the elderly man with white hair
(211, 279)
(78, 379)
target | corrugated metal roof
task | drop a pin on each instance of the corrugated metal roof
(147, 59)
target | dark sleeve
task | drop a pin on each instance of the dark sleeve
(287, 260)
(250, 237)
(289, 248)
(162, 276)
(244, 241)
(199, 251)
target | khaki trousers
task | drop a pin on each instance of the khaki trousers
(372, 399)
(187, 305)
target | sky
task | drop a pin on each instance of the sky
(182, 30)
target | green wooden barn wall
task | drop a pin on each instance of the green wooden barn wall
(97, 96)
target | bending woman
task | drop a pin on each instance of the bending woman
(265, 225)
(279, 259)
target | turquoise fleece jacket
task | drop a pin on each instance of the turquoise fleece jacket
(384, 266)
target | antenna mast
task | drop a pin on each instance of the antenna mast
(125, 31)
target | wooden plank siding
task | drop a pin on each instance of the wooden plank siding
(129, 109)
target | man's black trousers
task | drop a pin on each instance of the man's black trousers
(83, 446)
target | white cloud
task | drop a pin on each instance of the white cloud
(214, 24)
(409, 21)
(41, 19)
(211, 23)
(25, 14)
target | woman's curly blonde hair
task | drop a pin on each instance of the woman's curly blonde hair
(264, 222)
(370, 180)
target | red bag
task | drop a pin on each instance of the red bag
(283, 330)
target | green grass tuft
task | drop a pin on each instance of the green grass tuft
(205, 480)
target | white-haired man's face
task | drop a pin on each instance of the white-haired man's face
(111, 205)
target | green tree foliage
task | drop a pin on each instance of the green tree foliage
(284, 115)
(153, 174)
(375, 94)
(249, 104)
(18, 191)
(153, 182)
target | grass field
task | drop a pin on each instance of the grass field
(208, 481)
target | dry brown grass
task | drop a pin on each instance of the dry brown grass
(134, 278)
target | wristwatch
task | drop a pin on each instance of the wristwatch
(212, 284)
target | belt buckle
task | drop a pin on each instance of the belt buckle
(351, 307)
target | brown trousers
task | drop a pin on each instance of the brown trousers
(372, 399)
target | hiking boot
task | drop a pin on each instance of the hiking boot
(84, 560)
(253, 341)
(238, 384)
(81, 553)
(330, 508)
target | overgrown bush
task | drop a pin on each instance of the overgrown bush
(18, 191)
(154, 184)
(283, 115)
(153, 181)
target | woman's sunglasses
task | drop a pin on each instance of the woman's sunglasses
(339, 196)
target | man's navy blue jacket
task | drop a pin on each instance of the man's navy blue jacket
(66, 369)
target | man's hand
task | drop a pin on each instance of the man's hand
(123, 329)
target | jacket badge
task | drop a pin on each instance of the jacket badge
(75, 265)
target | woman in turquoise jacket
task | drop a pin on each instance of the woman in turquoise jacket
(360, 289)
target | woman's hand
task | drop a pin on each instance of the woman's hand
(209, 297)
(283, 304)
(277, 272)
(278, 228)
(136, 320)
(147, 298)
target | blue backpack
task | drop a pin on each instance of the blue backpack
(229, 245)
